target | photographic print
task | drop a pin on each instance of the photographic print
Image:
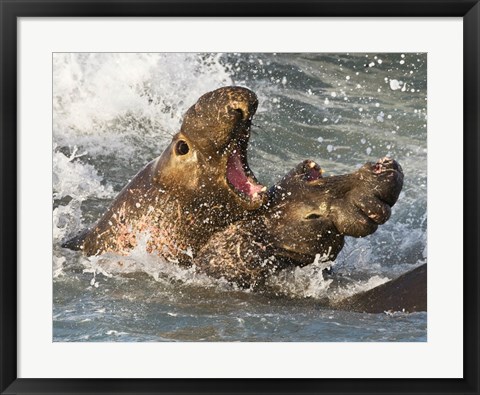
(254, 197)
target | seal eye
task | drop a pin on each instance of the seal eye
(182, 148)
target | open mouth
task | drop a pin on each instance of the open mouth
(386, 164)
(240, 177)
(312, 171)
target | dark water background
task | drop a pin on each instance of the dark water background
(113, 113)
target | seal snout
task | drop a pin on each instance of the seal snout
(242, 103)
(241, 100)
(312, 170)
(385, 164)
(244, 112)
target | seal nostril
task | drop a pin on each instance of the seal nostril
(240, 111)
(312, 216)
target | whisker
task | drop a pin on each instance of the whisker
(257, 126)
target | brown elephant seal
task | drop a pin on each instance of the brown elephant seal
(305, 220)
(407, 293)
(199, 185)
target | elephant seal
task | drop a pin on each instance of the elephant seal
(200, 203)
(407, 293)
(305, 220)
(199, 185)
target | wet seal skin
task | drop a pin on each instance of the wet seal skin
(406, 293)
(200, 203)
(306, 219)
(198, 186)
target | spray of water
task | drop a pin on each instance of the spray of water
(115, 112)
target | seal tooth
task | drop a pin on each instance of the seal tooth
(263, 189)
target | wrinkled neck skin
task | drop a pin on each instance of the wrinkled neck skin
(174, 222)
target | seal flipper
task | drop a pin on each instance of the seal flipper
(76, 243)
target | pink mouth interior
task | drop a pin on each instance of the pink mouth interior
(238, 178)
(313, 174)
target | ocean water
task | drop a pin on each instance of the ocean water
(113, 113)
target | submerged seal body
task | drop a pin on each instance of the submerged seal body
(199, 185)
(406, 293)
(305, 220)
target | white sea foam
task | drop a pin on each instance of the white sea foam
(101, 100)
(357, 286)
(72, 177)
(310, 282)
(66, 220)
(140, 261)
(306, 282)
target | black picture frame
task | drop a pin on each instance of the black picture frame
(11, 10)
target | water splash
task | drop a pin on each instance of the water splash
(115, 112)
(75, 179)
(103, 101)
